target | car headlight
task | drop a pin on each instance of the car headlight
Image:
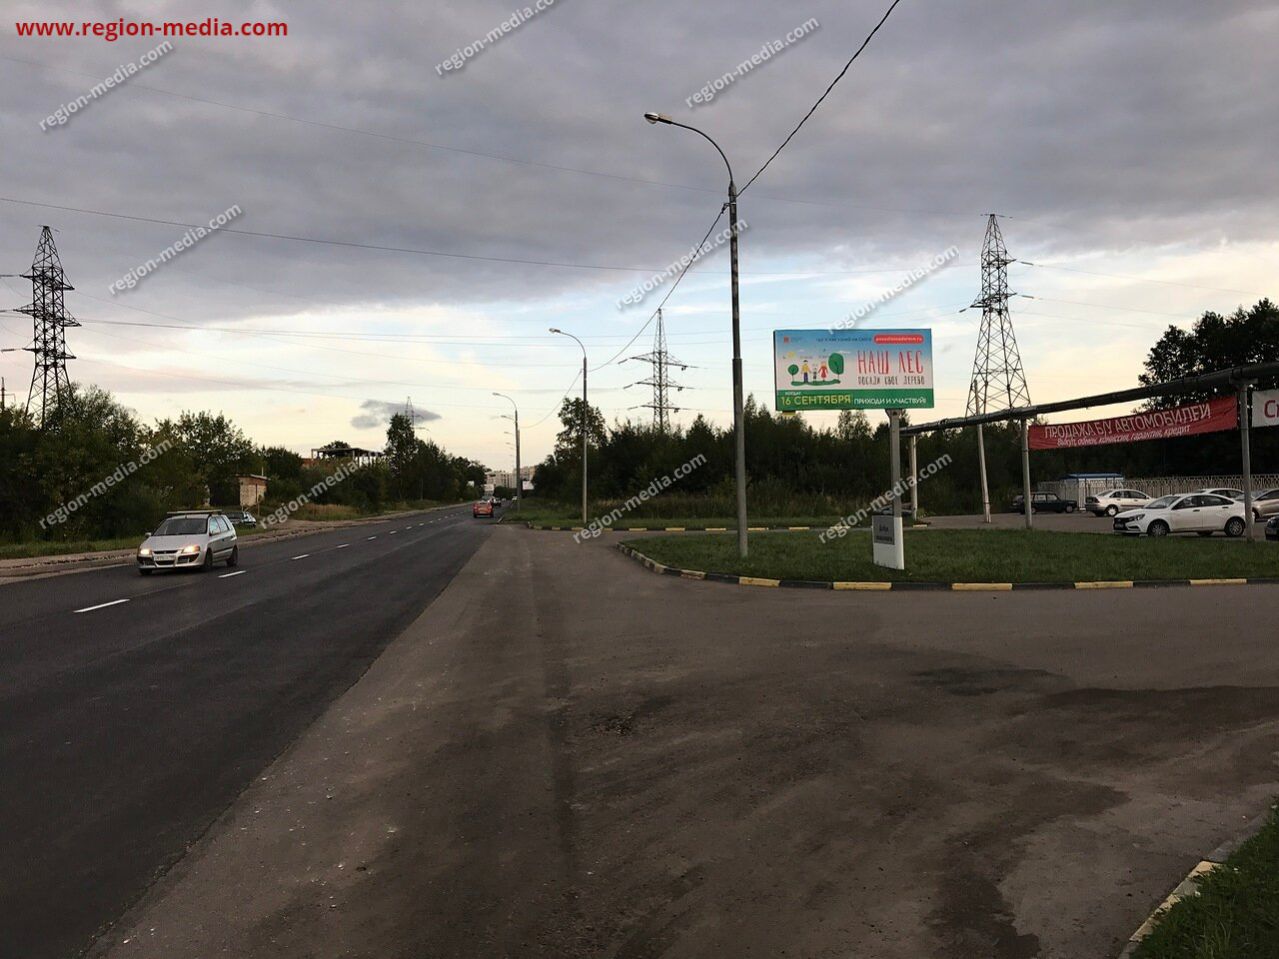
(188, 550)
(144, 551)
(1134, 519)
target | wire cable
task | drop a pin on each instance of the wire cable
(813, 109)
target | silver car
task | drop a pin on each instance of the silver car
(195, 539)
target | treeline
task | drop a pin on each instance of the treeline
(96, 472)
(796, 469)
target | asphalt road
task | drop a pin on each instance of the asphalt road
(594, 761)
(133, 710)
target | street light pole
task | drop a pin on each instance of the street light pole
(739, 425)
(584, 417)
(519, 478)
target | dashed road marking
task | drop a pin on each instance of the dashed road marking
(393, 532)
(302, 556)
(343, 545)
(372, 537)
(238, 572)
(90, 609)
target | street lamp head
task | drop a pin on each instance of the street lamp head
(555, 330)
(657, 118)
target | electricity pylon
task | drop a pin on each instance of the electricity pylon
(48, 311)
(661, 361)
(999, 381)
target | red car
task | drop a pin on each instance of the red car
(482, 508)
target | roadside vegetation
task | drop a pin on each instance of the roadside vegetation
(1236, 912)
(86, 480)
(799, 470)
(968, 556)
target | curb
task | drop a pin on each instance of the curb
(1188, 886)
(903, 586)
(693, 529)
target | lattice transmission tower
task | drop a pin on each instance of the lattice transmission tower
(660, 379)
(49, 345)
(999, 380)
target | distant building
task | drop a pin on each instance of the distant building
(507, 478)
(252, 490)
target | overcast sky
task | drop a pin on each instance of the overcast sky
(1134, 140)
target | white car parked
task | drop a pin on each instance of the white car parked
(1115, 501)
(1229, 492)
(1202, 513)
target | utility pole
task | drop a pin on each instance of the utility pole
(661, 361)
(999, 381)
(519, 477)
(739, 417)
(48, 311)
(585, 418)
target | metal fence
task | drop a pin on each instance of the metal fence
(1165, 485)
(1080, 489)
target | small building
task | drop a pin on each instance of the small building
(1079, 486)
(252, 490)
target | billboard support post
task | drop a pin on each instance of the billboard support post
(981, 469)
(887, 547)
(914, 481)
(1245, 442)
(1027, 501)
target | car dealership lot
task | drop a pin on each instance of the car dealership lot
(608, 762)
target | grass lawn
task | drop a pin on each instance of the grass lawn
(971, 556)
(555, 515)
(59, 548)
(1236, 913)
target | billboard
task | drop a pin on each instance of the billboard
(1265, 408)
(1210, 416)
(852, 369)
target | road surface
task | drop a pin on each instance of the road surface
(568, 757)
(133, 710)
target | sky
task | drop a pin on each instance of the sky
(440, 220)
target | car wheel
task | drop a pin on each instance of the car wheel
(1235, 527)
(1112, 510)
(1157, 528)
(234, 558)
(1070, 507)
(207, 565)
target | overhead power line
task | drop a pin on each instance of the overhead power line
(416, 251)
(825, 93)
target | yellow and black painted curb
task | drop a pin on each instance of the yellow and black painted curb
(901, 586)
(1189, 886)
(693, 529)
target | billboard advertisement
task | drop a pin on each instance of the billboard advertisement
(1209, 416)
(1265, 408)
(852, 369)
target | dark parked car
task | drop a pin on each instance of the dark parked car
(240, 517)
(1044, 503)
(1272, 528)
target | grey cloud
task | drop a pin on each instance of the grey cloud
(378, 413)
(1094, 125)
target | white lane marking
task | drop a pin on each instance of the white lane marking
(238, 572)
(394, 531)
(344, 546)
(303, 556)
(372, 537)
(90, 609)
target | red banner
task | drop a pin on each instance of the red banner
(1210, 416)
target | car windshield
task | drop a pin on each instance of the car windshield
(181, 526)
(1162, 503)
